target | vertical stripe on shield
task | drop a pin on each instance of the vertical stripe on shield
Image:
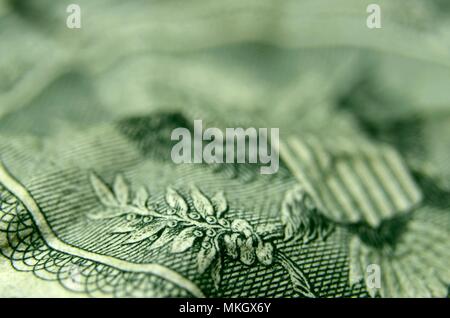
(352, 181)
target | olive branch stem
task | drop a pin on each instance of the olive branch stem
(149, 212)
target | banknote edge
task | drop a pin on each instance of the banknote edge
(50, 238)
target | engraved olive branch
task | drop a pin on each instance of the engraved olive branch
(181, 224)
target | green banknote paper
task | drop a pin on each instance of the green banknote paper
(93, 205)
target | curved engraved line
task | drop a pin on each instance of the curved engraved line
(54, 242)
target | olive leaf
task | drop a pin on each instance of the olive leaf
(201, 202)
(146, 231)
(103, 192)
(184, 240)
(176, 201)
(205, 256)
(290, 212)
(300, 283)
(301, 219)
(220, 203)
(298, 279)
(141, 198)
(121, 190)
(216, 269)
(166, 236)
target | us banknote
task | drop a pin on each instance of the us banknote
(93, 204)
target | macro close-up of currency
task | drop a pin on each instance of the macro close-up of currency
(225, 149)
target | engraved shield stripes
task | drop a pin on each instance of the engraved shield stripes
(352, 181)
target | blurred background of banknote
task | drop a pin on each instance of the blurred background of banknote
(86, 116)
